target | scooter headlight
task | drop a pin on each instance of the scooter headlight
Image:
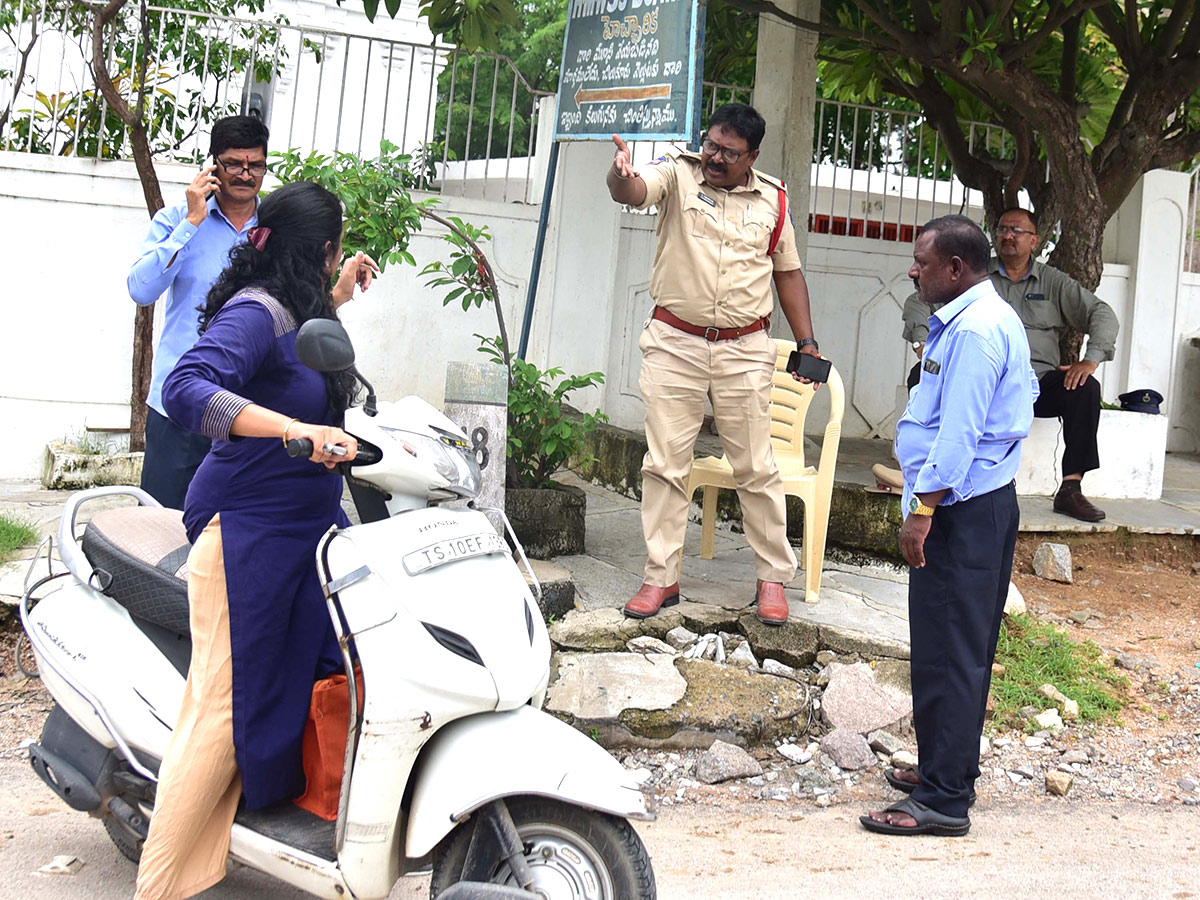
(450, 456)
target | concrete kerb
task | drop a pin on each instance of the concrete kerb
(858, 520)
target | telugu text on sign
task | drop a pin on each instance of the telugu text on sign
(629, 67)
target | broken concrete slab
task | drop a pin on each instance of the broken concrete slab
(794, 643)
(595, 686)
(853, 701)
(600, 630)
(605, 699)
(558, 589)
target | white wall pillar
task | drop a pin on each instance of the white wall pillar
(1151, 226)
(572, 321)
(785, 90)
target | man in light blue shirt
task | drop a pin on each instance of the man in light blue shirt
(959, 446)
(186, 249)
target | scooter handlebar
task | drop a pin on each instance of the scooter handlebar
(303, 447)
(299, 447)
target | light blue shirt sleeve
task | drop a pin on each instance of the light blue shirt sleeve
(158, 263)
(966, 399)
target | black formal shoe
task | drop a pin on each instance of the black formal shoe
(1070, 502)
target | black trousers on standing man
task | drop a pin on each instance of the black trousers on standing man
(955, 605)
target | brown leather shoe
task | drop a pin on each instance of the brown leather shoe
(650, 599)
(772, 604)
(1070, 502)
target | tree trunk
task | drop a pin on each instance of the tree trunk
(1078, 253)
(143, 320)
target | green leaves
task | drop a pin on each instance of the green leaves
(543, 433)
(464, 269)
(381, 215)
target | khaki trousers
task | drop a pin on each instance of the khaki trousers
(678, 371)
(199, 785)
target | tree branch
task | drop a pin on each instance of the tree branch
(99, 68)
(23, 55)
(1176, 150)
(1168, 39)
(1055, 18)
(1070, 59)
(1115, 32)
(1132, 33)
(1190, 44)
(143, 61)
(952, 22)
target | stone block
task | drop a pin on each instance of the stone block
(1014, 603)
(722, 762)
(1135, 448)
(66, 469)
(854, 701)
(848, 749)
(1053, 562)
(548, 521)
(1058, 783)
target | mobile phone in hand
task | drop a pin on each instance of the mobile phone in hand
(811, 367)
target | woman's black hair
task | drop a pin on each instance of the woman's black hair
(305, 220)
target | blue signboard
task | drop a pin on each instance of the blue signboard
(631, 67)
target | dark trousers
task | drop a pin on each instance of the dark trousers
(1080, 413)
(172, 456)
(955, 604)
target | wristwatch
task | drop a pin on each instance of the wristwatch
(917, 345)
(808, 342)
(917, 508)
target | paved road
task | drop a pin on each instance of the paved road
(764, 852)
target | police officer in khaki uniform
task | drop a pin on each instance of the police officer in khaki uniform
(708, 337)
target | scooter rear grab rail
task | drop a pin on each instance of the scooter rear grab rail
(69, 550)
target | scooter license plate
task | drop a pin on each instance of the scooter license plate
(451, 550)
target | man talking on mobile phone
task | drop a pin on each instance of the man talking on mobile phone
(187, 247)
(724, 236)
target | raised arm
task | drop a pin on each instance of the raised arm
(624, 184)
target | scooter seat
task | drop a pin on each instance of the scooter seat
(140, 555)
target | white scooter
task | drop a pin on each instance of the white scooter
(450, 756)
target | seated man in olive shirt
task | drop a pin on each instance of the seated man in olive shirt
(1048, 302)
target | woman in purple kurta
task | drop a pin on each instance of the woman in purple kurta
(254, 516)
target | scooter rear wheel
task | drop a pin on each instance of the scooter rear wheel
(125, 838)
(573, 853)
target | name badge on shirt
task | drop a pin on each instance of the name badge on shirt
(707, 199)
(932, 366)
(1035, 296)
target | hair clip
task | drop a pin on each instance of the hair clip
(257, 236)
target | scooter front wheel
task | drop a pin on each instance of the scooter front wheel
(573, 854)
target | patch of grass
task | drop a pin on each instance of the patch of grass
(1034, 653)
(87, 443)
(13, 536)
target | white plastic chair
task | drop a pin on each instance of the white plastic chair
(814, 486)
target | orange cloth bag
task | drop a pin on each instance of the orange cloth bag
(324, 745)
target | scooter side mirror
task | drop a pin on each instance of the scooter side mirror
(323, 345)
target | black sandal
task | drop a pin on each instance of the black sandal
(929, 821)
(907, 787)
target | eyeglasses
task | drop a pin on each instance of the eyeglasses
(712, 148)
(258, 170)
(1015, 230)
